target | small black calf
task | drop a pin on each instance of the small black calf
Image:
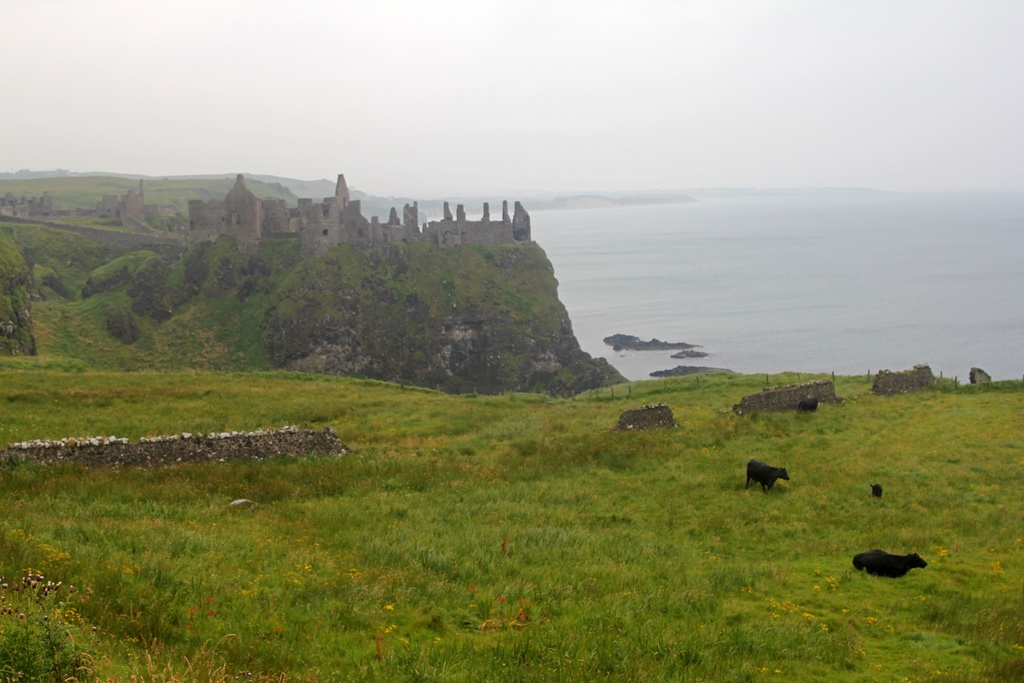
(876, 490)
(807, 405)
(764, 474)
(881, 563)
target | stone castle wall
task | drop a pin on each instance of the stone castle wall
(778, 399)
(339, 220)
(888, 383)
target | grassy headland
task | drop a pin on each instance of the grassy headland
(519, 538)
(85, 191)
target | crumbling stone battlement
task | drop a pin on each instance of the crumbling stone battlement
(651, 416)
(888, 383)
(339, 220)
(778, 399)
(179, 448)
(26, 206)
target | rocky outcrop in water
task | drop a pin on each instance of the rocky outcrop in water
(684, 370)
(620, 342)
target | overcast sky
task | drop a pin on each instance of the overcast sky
(439, 98)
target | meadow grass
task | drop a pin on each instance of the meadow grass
(521, 538)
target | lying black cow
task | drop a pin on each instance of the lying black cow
(807, 405)
(881, 563)
(764, 474)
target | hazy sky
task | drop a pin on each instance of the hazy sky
(439, 98)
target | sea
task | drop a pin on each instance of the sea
(850, 282)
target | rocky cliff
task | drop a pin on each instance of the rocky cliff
(484, 319)
(16, 285)
(459, 319)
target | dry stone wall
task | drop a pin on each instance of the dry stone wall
(778, 399)
(179, 448)
(888, 383)
(652, 416)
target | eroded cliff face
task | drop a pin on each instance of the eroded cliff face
(484, 319)
(16, 288)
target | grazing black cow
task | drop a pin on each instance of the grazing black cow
(881, 563)
(876, 490)
(764, 474)
(807, 405)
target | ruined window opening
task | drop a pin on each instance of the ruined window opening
(325, 232)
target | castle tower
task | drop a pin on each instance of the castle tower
(521, 224)
(341, 191)
(243, 217)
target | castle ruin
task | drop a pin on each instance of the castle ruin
(130, 208)
(339, 220)
(26, 206)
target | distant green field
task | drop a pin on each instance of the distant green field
(86, 191)
(517, 537)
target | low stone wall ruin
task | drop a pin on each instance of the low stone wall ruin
(888, 383)
(651, 416)
(180, 448)
(778, 399)
(979, 376)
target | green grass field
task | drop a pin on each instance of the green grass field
(520, 538)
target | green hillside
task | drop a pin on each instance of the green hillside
(515, 537)
(85, 191)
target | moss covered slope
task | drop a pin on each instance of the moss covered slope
(465, 319)
(15, 305)
(484, 319)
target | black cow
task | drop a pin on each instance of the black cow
(807, 405)
(876, 490)
(764, 474)
(881, 563)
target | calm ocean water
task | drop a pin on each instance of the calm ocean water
(819, 282)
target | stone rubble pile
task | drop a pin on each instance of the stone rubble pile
(184, 447)
(651, 416)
